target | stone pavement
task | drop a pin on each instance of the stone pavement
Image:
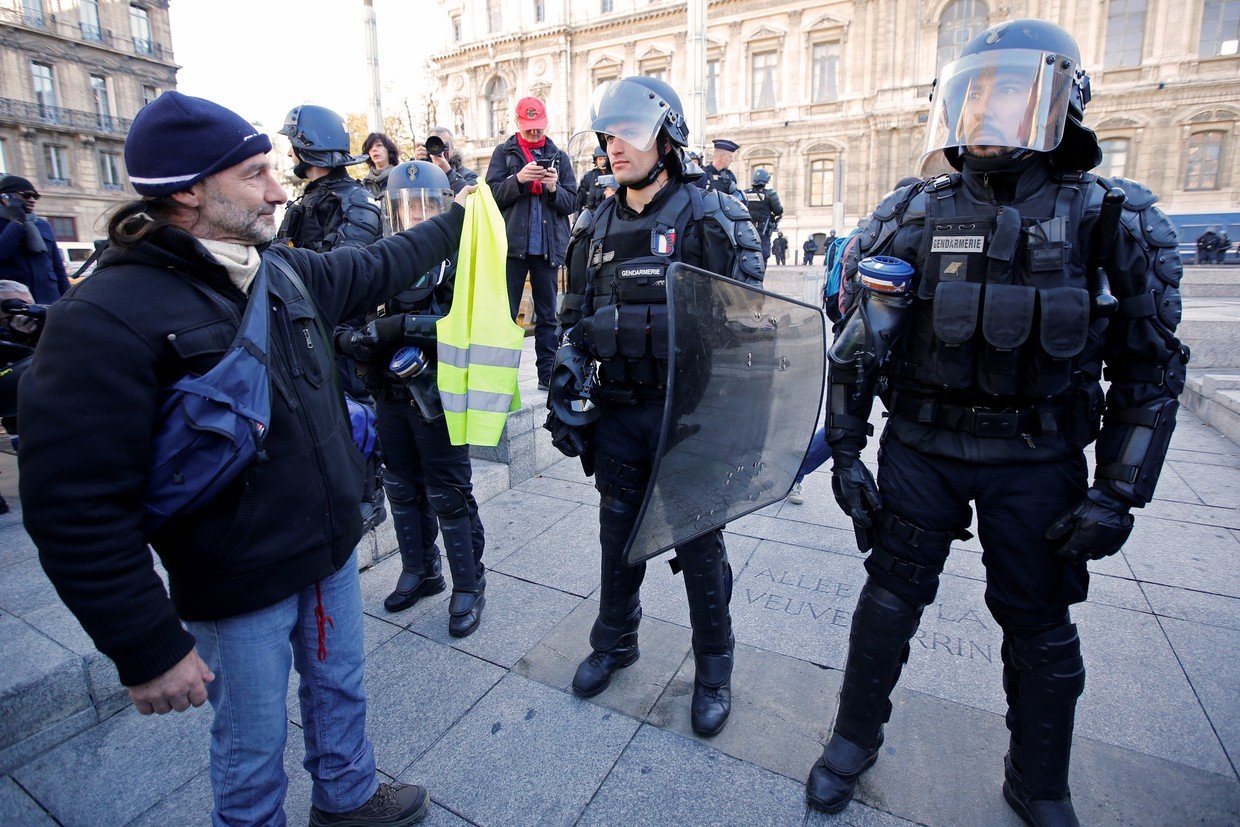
(490, 725)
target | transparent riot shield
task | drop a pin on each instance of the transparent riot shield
(745, 382)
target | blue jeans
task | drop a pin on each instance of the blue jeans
(819, 452)
(251, 655)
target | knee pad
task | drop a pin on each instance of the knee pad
(400, 491)
(447, 503)
(884, 614)
(1049, 662)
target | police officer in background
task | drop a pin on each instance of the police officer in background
(589, 190)
(334, 210)
(718, 176)
(613, 314)
(395, 355)
(764, 209)
(993, 392)
(779, 246)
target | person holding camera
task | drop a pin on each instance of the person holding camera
(28, 251)
(536, 190)
(439, 150)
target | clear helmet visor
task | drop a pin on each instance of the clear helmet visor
(1015, 98)
(405, 208)
(622, 109)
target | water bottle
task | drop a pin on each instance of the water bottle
(878, 318)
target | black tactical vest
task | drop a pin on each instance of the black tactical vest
(1002, 309)
(759, 204)
(627, 269)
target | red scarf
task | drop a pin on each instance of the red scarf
(535, 187)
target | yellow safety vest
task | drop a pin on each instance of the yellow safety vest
(479, 343)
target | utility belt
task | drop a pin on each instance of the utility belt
(979, 421)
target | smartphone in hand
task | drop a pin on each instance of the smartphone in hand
(546, 163)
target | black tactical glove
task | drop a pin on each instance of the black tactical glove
(1096, 528)
(388, 331)
(857, 494)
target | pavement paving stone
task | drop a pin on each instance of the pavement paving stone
(26, 750)
(514, 518)
(415, 690)
(59, 624)
(580, 490)
(524, 754)
(41, 683)
(663, 778)
(564, 556)
(1173, 486)
(1209, 657)
(1191, 434)
(1199, 607)
(566, 469)
(806, 535)
(1214, 485)
(24, 588)
(635, 689)
(781, 711)
(1181, 455)
(1189, 513)
(377, 584)
(16, 546)
(1180, 554)
(114, 772)
(1136, 693)
(19, 809)
(517, 615)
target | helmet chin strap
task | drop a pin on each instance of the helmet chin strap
(651, 176)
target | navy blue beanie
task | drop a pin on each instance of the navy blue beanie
(177, 140)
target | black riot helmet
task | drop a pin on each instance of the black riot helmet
(761, 177)
(1019, 85)
(416, 191)
(639, 110)
(319, 138)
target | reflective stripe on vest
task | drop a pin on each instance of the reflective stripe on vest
(479, 345)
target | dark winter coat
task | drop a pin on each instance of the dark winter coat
(44, 273)
(89, 407)
(514, 198)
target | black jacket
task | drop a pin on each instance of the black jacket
(514, 199)
(89, 406)
(334, 211)
(44, 273)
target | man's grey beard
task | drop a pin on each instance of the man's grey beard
(225, 220)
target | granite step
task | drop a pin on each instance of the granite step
(1215, 397)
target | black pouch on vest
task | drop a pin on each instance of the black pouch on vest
(1082, 420)
(956, 306)
(658, 331)
(1063, 331)
(1007, 318)
(632, 337)
(603, 324)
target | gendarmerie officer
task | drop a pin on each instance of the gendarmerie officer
(717, 175)
(419, 458)
(764, 208)
(614, 311)
(993, 389)
(335, 209)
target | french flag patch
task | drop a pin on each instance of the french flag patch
(664, 243)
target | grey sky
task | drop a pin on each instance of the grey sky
(263, 57)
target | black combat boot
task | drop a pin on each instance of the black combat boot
(1043, 675)
(615, 647)
(468, 580)
(614, 635)
(420, 575)
(708, 588)
(877, 650)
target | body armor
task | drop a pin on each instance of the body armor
(764, 208)
(334, 211)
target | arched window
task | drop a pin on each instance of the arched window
(961, 20)
(1205, 159)
(497, 106)
(1114, 158)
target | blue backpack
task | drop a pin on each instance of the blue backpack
(834, 263)
(211, 427)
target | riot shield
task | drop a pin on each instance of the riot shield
(746, 371)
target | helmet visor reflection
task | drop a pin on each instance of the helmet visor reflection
(405, 208)
(1015, 98)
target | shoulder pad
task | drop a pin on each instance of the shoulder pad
(361, 216)
(733, 217)
(1136, 196)
(891, 205)
(585, 220)
(1151, 226)
(732, 207)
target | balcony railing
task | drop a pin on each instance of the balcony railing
(69, 26)
(38, 114)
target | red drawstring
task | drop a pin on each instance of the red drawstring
(324, 619)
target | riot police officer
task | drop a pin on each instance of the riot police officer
(993, 392)
(589, 190)
(717, 175)
(395, 356)
(764, 208)
(615, 311)
(334, 210)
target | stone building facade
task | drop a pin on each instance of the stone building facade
(73, 73)
(832, 97)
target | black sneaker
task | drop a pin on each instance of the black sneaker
(543, 385)
(392, 805)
